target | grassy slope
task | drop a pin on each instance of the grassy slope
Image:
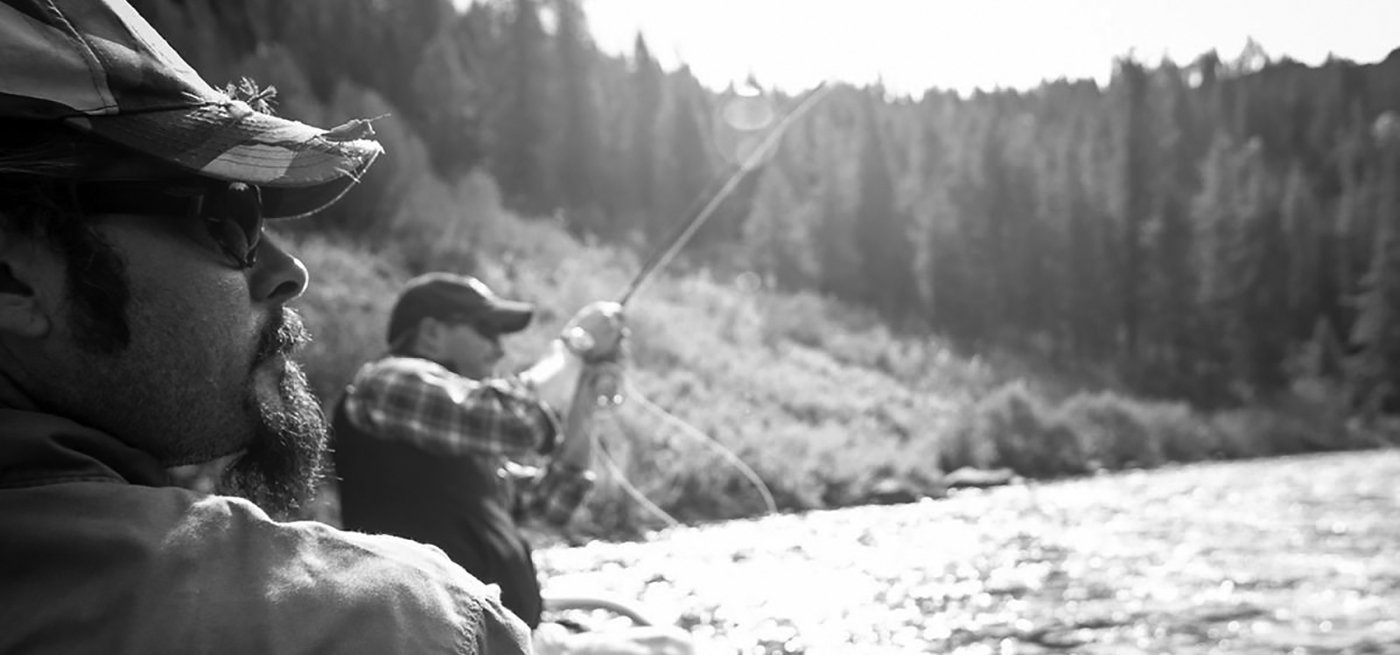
(820, 399)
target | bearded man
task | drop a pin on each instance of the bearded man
(144, 325)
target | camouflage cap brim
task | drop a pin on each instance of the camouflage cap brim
(230, 141)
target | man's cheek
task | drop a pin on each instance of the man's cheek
(272, 382)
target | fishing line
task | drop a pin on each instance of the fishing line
(695, 433)
(635, 493)
(770, 505)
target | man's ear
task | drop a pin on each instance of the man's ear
(428, 340)
(22, 312)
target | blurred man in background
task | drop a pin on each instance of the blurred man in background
(143, 325)
(425, 438)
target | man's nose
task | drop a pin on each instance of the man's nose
(278, 277)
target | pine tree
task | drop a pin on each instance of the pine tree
(450, 98)
(1169, 286)
(1303, 223)
(1135, 200)
(1215, 229)
(1377, 331)
(776, 235)
(931, 211)
(834, 235)
(685, 166)
(578, 163)
(1263, 332)
(519, 154)
(646, 90)
(976, 255)
(1243, 289)
(882, 235)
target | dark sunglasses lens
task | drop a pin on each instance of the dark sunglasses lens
(486, 331)
(234, 215)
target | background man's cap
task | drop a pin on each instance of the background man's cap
(100, 68)
(445, 296)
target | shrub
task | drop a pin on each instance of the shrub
(1253, 432)
(796, 318)
(1180, 433)
(1311, 416)
(346, 308)
(1112, 430)
(1325, 406)
(962, 444)
(1024, 433)
(1266, 431)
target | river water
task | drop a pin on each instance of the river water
(1296, 555)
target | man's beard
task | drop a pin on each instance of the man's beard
(283, 463)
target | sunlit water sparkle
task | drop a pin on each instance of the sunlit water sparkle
(1271, 556)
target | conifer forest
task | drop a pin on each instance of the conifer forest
(1210, 230)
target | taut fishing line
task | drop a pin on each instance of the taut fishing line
(632, 393)
(770, 506)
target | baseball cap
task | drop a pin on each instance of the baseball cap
(99, 68)
(447, 296)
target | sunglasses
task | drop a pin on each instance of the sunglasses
(230, 211)
(481, 327)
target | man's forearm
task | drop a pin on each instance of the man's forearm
(575, 449)
(556, 380)
(555, 377)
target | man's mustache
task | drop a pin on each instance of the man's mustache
(282, 335)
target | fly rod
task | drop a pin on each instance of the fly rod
(660, 258)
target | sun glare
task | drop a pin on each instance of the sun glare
(913, 45)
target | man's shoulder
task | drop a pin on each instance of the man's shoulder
(400, 365)
(395, 372)
(392, 375)
(314, 554)
(389, 591)
(179, 571)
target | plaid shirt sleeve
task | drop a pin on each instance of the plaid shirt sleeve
(420, 402)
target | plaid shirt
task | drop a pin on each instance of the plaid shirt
(421, 402)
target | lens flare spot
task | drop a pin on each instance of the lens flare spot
(748, 112)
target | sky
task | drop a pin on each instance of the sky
(914, 45)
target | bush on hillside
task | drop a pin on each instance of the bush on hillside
(963, 446)
(1181, 434)
(1311, 416)
(855, 337)
(799, 318)
(346, 308)
(1022, 433)
(1113, 431)
(1257, 432)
